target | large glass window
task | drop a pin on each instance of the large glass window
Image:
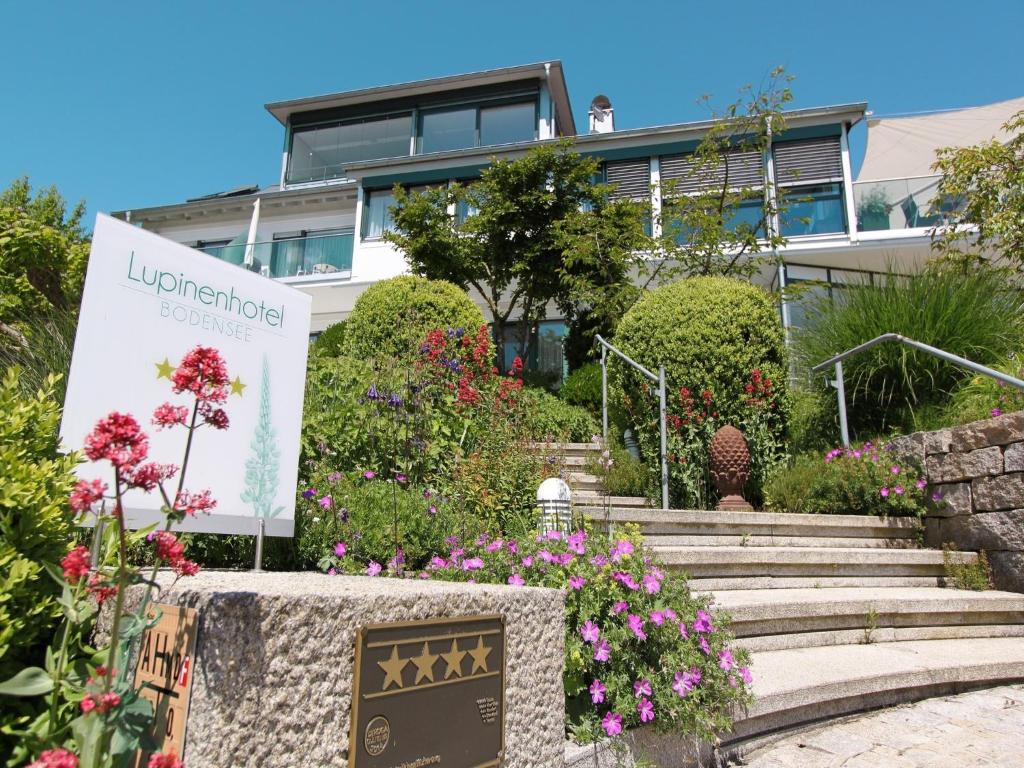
(321, 152)
(508, 124)
(377, 213)
(815, 210)
(452, 129)
(748, 213)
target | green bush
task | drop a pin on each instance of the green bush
(582, 387)
(813, 420)
(982, 397)
(789, 489)
(331, 340)
(50, 338)
(975, 315)
(36, 524)
(722, 346)
(392, 318)
(548, 417)
(627, 476)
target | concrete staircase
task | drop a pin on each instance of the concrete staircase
(588, 495)
(842, 613)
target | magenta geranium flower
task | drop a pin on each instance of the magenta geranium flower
(622, 549)
(326, 502)
(725, 660)
(472, 564)
(577, 582)
(646, 710)
(885, 492)
(619, 607)
(705, 646)
(921, 483)
(898, 490)
(369, 474)
(597, 691)
(682, 630)
(612, 723)
(745, 674)
(516, 580)
(374, 568)
(636, 626)
(575, 542)
(684, 682)
(651, 584)
(642, 688)
(340, 549)
(527, 561)
(590, 632)
(657, 618)
(894, 469)
(703, 622)
(602, 651)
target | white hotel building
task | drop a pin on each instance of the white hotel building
(319, 229)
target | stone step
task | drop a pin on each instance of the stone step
(799, 686)
(746, 540)
(801, 618)
(582, 479)
(716, 584)
(566, 449)
(592, 504)
(808, 562)
(679, 522)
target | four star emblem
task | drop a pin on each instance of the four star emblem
(424, 663)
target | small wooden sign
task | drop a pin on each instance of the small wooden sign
(163, 675)
(429, 693)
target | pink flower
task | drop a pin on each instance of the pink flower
(651, 584)
(193, 503)
(325, 502)
(682, 630)
(527, 561)
(884, 491)
(76, 564)
(602, 651)
(369, 474)
(149, 475)
(619, 607)
(898, 490)
(546, 556)
(612, 723)
(684, 682)
(472, 564)
(703, 622)
(921, 483)
(646, 710)
(599, 561)
(996, 412)
(119, 440)
(168, 415)
(642, 688)
(626, 580)
(622, 548)
(725, 660)
(56, 758)
(340, 549)
(203, 373)
(495, 545)
(374, 568)
(575, 542)
(670, 615)
(563, 559)
(86, 493)
(657, 618)
(745, 674)
(437, 562)
(704, 646)
(636, 626)
(590, 631)
(577, 582)
(516, 580)
(895, 470)
(553, 535)
(167, 760)
(597, 691)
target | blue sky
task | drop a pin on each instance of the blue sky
(134, 104)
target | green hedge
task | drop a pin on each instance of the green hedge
(331, 340)
(583, 387)
(392, 317)
(548, 417)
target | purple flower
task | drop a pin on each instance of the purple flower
(884, 491)
(599, 561)
(472, 564)
(651, 584)
(495, 545)
(590, 631)
(725, 660)
(437, 562)
(576, 541)
(626, 580)
(374, 568)
(898, 490)
(996, 412)
(895, 470)
(612, 723)
(427, 494)
(325, 502)
(622, 548)
(682, 630)
(334, 477)
(340, 549)
(642, 688)
(372, 393)
(369, 474)
(704, 646)
(921, 483)
(646, 710)
(577, 582)
(597, 691)
(309, 493)
(602, 651)
(684, 682)
(432, 510)
(636, 626)
(619, 607)
(564, 559)
(394, 401)
(400, 478)
(546, 556)
(553, 535)
(937, 496)
(527, 561)
(657, 618)
(703, 622)
(745, 674)
(516, 580)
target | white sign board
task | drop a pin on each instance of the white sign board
(147, 302)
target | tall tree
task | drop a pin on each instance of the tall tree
(531, 218)
(987, 180)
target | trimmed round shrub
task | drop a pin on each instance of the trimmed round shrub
(721, 343)
(583, 387)
(546, 417)
(331, 340)
(393, 317)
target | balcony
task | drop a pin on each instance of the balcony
(898, 204)
(322, 255)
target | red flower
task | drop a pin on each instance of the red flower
(215, 417)
(168, 415)
(102, 703)
(168, 548)
(517, 366)
(57, 758)
(86, 493)
(168, 760)
(88, 704)
(186, 567)
(99, 590)
(150, 474)
(194, 503)
(203, 373)
(76, 564)
(119, 440)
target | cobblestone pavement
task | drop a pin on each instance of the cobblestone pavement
(982, 728)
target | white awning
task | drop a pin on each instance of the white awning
(904, 147)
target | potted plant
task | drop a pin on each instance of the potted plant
(873, 211)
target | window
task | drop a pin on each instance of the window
(508, 124)
(321, 152)
(443, 131)
(749, 213)
(813, 210)
(377, 213)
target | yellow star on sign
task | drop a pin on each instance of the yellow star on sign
(425, 664)
(393, 669)
(237, 386)
(479, 655)
(164, 369)
(454, 659)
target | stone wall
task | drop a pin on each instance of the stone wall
(977, 473)
(272, 684)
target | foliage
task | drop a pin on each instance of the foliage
(813, 419)
(392, 317)
(982, 397)
(94, 716)
(860, 480)
(46, 352)
(961, 574)
(976, 315)
(700, 231)
(547, 417)
(583, 387)
(721, 343)
(35, 525)
(988, 180)
(331, 340)
(621, 474)
(513, 249)
(639, 647)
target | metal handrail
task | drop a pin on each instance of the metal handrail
(837, 363)
(662, 406)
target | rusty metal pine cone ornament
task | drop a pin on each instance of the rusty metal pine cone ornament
(730, 468)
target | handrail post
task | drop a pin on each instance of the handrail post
(604, 394)
(844, 429)
(663, 413)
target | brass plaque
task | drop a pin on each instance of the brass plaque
(163, 674)
(429, 693)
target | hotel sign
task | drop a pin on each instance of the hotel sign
(148, 301)
(429, 693)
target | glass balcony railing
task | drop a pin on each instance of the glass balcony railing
(325, 254)
(902, 204)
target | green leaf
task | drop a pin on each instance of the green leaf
(31, 681)
(88, 731)
(131, 728)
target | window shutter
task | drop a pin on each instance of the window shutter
(632, 179)
(811, 161)
(744, 170)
